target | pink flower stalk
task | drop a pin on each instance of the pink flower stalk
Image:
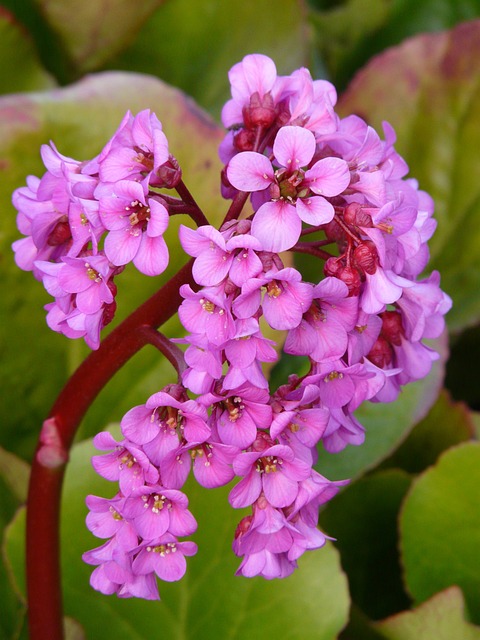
(359, 330)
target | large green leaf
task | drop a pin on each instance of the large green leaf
(13, 491)
(440, 618)
(447, 424)
(192, 44)
(80, 119)
(440, 528)
(429, 90)
(349, 33)
(363, 520)
(91, 32)
(210, 600)
(21, 67)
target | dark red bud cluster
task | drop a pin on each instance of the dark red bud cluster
(244, 140)
(60, 233)
(169, 174)
(365, 257)
(355, 215)
(260, 112)
(347, 274)
(392, 328)
(381, 353)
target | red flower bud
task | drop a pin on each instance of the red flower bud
(381, 353)
(61, 233)
(392, 328)
(356, 216)
(244, 140)
(365, 257)
(260, 112)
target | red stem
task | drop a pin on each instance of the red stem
(48, 467)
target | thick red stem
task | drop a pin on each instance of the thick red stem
(43, 503)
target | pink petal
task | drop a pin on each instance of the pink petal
(277, 226)
(315, 210)
(328, 176)
(250, 171)
(152, 256)
(294, 147)
(158, 223)
(121, 246)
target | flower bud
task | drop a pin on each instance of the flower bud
(365, 257)
(244, 140)
(351, 277)
(260, 112)
(392, 328)
(356, 216)
(381, 353)
(60, 234)
(169, 174)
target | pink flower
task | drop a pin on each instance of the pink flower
(127, 463)
(136, 151)
(286, 299)
(297, 193)
(136, 224)
(275, 471)
(164, 556)
(155, 510)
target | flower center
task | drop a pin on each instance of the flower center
(164, 549)
(234, 407)
(138, 214)
(333, 375)
(268, 464)
(290, 184)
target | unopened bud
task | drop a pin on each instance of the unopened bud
(260, 112)
(244, 140)
(365, 257)
(356, 216)
(392, 328)
(332, 266)
(381, 353)
(169, 174)
(351, 277)
(61, 233)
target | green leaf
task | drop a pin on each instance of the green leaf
(21, 67)
(363, 520)
(386, 425)
(92, 32)
(14, 472)
(350, 33)
(447, 424)
(192, 44)
(80, 119)
(440, 618)
(428, 89)
(210, 600)
(341, 30)
(13, 489)
(440, 528)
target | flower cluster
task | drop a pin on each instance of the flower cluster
(361, 327)
(84, 222)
